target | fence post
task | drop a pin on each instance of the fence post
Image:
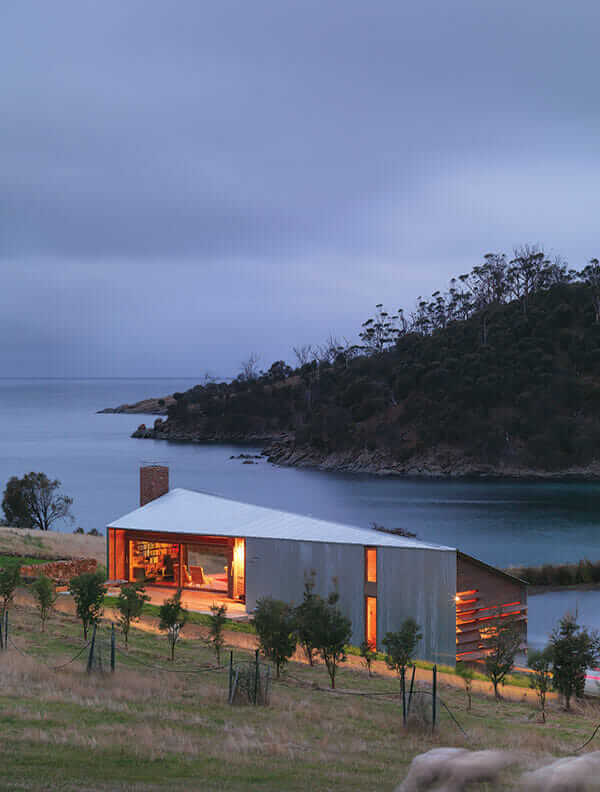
(6, 630)
(256, 676)
(410, 692)
(230, 673)
(112, 647)
(1, 632)
(403, 689)
(91, 652)
(434, 699)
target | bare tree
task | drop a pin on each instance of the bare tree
(328, 352)
(304, 354)
(249, 370)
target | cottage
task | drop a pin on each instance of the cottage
(217, 549)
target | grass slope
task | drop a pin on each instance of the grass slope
(149, 729)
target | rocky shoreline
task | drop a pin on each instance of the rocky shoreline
(444, 463)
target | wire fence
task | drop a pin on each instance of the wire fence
(249, 680)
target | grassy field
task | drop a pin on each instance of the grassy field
(34, 545)
(151, 728)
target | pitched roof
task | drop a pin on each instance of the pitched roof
(185, 511)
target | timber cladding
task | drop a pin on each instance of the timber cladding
(483, 594)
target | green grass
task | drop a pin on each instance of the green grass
(23, 560)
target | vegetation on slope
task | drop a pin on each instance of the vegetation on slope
(503, 369)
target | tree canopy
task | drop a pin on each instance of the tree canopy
(35, 501)
(502, 367)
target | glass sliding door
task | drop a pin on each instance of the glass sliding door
(205, 566)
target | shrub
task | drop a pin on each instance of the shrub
(44, 592)
(305, 619)
(216, 625)
(467, 674)
(276, 628)
(368, 652)
(541, 678)
(172, 618)
(333, 631)
(501, 640)
(574, 650)
(130, 604)
(10, 577)
(88, 591)
(400, 645)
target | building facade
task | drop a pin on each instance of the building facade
(222, 550)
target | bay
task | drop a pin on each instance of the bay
(52, 426)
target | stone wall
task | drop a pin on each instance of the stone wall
(60, 571)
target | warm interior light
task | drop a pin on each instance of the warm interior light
(238, 555)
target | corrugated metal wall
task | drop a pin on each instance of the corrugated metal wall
(410, 582)
(276, 567)
(420, 584)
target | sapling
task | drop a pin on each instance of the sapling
(44, 592)
(467, 674)
(172, 618)
(130, 604)
(368, 652)
(541, 678)
(216, 624)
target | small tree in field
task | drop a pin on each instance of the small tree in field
(172, 618)
(574, 650)
(368, 652)
(466, 673)
(88, 591)
(276, 627)
(400, 646)
(216, 626)
(44, 592)
(333, 632)
(10, 577)
(130, 604)
(35, 501)
(541, 678)
(305, 619)
(501, 640)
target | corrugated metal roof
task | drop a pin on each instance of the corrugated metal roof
(187, 512)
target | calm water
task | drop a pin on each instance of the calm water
(51, 425)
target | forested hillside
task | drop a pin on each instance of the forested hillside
(502, 370)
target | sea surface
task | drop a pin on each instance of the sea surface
(52, 426)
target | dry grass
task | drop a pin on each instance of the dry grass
(146, 729)
(51, 544)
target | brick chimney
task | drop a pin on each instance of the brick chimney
(154, 482)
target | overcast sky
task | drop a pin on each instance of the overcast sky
(183, 183)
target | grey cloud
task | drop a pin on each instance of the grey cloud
(297, 161)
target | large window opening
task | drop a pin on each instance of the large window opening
(205, 567)
(206, 563)
(371, 622)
